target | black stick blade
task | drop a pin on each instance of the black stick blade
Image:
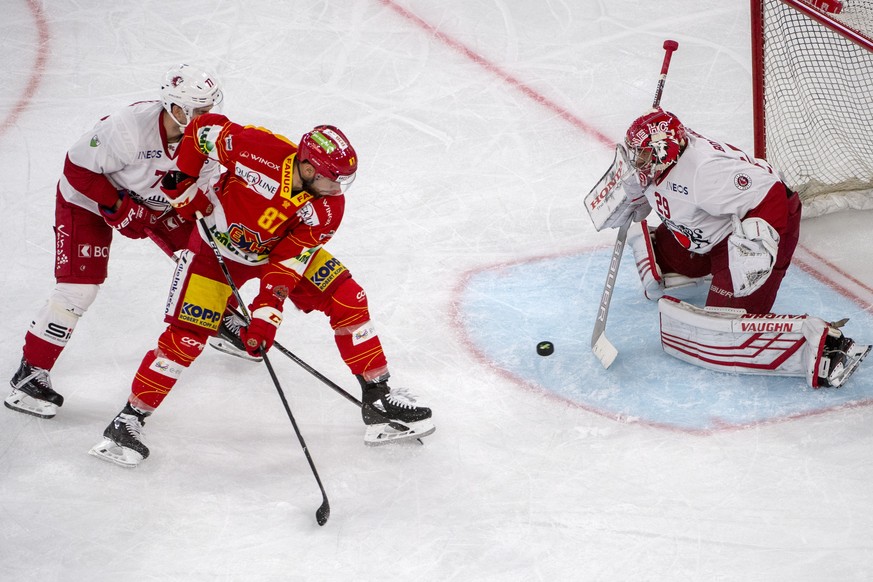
(323, 513)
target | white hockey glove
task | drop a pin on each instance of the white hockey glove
(634, 206)
(752, 250)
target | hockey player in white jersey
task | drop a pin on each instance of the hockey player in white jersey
(110, 182)
(727, 220)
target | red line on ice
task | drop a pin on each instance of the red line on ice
(36, 71)
(494, 69)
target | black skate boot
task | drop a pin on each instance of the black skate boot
(391, 414)
(840, 358)
(228, 339)
(122, 440)
(32, 392)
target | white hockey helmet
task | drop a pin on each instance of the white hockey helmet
(189, 88)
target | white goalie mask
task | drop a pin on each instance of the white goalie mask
(190, 89)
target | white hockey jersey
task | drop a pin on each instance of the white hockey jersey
(710, 182)
(130, 148)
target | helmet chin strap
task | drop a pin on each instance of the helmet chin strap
(181, 125)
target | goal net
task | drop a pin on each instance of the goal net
(812, 64)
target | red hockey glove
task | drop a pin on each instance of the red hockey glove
(182, 192)
(131, 219)
(261, 332)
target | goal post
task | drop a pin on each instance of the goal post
(812, 91)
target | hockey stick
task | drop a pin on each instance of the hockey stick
(285, 351)
(600, 345)
(323, 512)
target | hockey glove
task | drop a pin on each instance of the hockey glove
(752, 250)
(260, 334)
(131, 219)
(182, 192)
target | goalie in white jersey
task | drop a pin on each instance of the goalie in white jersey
(110, 182)
(726, 220)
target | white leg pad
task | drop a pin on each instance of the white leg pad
(640, 241)
(57, 319)
(732, 340)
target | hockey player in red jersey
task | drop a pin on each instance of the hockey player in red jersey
(110, 182)
(270, 216)
(726, 220)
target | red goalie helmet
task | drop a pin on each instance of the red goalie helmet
(654, 141)
(329, 151)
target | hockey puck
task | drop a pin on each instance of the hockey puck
(545, 348)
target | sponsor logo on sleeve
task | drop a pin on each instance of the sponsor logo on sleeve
(308, 215)
(742, 181)
(207, 137)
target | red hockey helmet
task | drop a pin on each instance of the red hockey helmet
(654, 141)
(329, 151)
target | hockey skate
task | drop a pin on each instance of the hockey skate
(840, 358)
(122, 442)
(32, 392)
(391, 414)
(228, 339)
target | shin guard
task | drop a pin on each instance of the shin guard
(162, 367)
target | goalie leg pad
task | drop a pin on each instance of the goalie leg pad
(731, 340)
(656, 283)
(640, 241)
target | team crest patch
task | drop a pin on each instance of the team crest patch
(742, 181)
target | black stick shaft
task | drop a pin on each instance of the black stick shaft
(323, 512)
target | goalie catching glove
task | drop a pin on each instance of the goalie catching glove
(752, 250)
(182, 192)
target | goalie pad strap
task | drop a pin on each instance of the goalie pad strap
(731, 340)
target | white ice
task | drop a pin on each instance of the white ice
(480, 125)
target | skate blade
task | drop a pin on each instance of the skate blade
(854, 357)
(107, 450)
(21, 402)
(228, 348)
(382, 434)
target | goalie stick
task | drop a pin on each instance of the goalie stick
(603, 349)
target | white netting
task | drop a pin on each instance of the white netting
(818, 105)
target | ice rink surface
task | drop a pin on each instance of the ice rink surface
(480, 125)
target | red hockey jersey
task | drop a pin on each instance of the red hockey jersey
(258, 219)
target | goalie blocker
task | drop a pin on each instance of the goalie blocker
(731, 340)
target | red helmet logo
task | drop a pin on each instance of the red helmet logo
(654, 141)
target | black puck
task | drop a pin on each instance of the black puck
(545, 348)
